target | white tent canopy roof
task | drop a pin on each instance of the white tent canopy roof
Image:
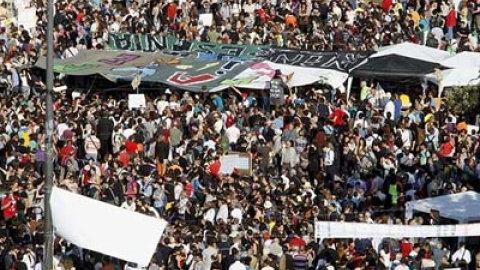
(463, 60)
(456, 77)
(461, 206)
(415, 51)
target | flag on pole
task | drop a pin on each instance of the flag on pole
(105, 228)
(136, 81)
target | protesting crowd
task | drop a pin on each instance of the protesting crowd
(312, 159)
(316, 156)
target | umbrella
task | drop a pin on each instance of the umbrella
(297, 241)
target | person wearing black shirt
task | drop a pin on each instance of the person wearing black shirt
(104, 133)
(162, 149)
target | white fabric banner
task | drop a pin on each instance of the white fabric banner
(105, 228)
(259, 75)
(365, 230)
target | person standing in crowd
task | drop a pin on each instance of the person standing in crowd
(104, 132)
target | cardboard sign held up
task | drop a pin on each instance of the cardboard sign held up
(206, 19)
(242, 162)
(136, 101)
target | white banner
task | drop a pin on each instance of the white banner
(364, 230)
(259, 75)
(105, 228)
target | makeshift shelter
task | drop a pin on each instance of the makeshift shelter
(465, 72)
(463, 60)
(415, 51)
(394, 67)
(461, 206)
(455, 77)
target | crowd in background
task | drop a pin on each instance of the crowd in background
(318, 157)
(302, 24)
(313, 159)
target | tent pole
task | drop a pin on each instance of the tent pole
(349, 86)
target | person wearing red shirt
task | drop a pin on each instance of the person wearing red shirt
(131, 146)
(386, 5)
(448, 148)
(9, 206)
(451, 22)
(337, 117)
(123, 157)
(189, 189)
(171, 11)
(215, 167)
(67, 151)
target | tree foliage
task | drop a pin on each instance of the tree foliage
(463, 99)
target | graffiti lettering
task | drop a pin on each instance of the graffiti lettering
(181, 78)
(120, 59)
(229, 66)
(329, 60)
(138, 42)
(64, 68)
(283, 58)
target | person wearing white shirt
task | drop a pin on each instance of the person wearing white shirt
(61, 127)
(462, 254)
(71, 50)
(403, 265)
(237, 265)
(233, 133)
(389, 111)
(129, 205)
(222, 213)
(210, 144)
(162, 104)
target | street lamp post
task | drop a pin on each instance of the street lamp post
(49, 127)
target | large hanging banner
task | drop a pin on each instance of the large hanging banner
(365, 230)
(227, 52)
(153, 43)
(188, 73)
(140, 42)
(113, 65)
(342, 61)
(197, 76)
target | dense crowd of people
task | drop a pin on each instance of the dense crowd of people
(315, 156)
(313, 159)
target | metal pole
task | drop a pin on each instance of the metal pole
(49, 127)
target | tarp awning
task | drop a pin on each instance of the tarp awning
(394, 67)
(414, 51)
(461, 206)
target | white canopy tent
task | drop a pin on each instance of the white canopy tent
(463, 60)
(415, 51)
(465, 72)
(461, 206)
(410, 50)
(455, 77)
